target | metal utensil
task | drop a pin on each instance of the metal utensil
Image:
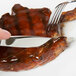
(56, 14)
(13, 38)
(54, 19)
(23, 42)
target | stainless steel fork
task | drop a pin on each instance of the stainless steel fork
(55, 16)
(54, 19)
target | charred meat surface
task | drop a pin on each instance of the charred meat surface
(25, 21)
(68, 16)
(16, 59)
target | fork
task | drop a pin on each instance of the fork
(54, 19)
(55, 16)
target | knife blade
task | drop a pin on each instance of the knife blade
(24, 41)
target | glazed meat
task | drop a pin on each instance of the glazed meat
(24, 21)
(68, 16)
(16, 59)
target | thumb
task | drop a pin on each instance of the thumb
(4, 34)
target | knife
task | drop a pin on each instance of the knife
(24, 41)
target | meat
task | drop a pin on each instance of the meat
(25, 21)
(16, 59)
(68, 16)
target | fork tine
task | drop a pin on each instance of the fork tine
(59, 12)
(52, 16)
(52, 20)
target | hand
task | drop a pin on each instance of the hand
(4, 34)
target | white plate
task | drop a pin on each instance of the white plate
(65, 63)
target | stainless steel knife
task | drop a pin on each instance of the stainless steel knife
(24, 41)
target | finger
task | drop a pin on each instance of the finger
(4, 34)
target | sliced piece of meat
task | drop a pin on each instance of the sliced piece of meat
(68, 16)
(16, 59)
(25, 21)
